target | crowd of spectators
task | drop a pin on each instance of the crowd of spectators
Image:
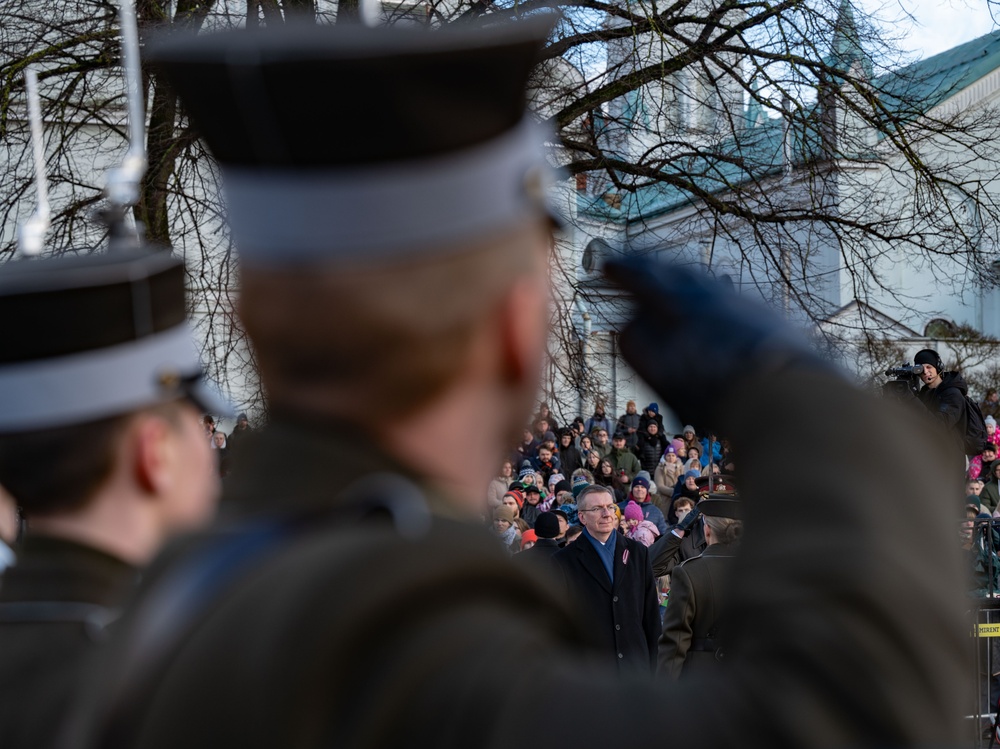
(656, 478)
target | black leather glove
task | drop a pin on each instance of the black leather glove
(691, 337)
(690, 519)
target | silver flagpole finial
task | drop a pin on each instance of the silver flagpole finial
(31, 237)
(122, 183)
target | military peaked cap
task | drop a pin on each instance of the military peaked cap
(346, 142)
(95, 336)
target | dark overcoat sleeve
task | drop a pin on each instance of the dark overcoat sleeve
(677, 625)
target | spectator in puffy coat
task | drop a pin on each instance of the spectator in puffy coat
(628, 423)
(978, 464)
(650, 446)
(715, 456)
(667, 472)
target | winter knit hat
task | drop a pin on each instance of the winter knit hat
(547, 525)
(687, 429)
(989, 420)
(633, 511)
(555, 478)
(579, 484)
(640, 481)
(649, 481)
(503, 512)
(670, 449)
(692, 475)
(518, 497)
(653, 407)
(562, 486)
(528, 537)
(526, 472)
(929, 356)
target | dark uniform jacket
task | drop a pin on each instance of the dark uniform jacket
(383, 633)
(699, 591)
(624, 614)
(668, 550)
(54, 604)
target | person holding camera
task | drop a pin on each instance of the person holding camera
(944, 394)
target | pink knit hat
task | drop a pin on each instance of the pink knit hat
(633, 511)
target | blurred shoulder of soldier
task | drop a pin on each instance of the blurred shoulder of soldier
(102, 450)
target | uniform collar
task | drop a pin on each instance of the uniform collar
(299, 466)
(55, 569)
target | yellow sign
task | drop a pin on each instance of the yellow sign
(989, 630)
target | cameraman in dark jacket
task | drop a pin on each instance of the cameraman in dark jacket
(943, 393)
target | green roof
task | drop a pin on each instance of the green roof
(931, 81)
(756, 153)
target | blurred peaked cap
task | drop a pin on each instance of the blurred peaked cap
(95, 336)
(364, 123)
(721, 507)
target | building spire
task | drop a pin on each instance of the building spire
(845, 48)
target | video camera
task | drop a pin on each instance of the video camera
(905, 381)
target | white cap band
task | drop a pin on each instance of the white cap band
(283, 217)
(96, 384)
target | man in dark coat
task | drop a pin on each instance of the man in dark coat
(570, 457)
(240, 433)
(104, 460)
(355, 606)
(944, 394)
(610, 578)
(699, 593)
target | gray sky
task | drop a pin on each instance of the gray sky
(936, 25)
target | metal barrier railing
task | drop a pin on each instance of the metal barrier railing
(982, 539)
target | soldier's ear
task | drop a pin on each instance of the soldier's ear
(523, 326)
(149, 450)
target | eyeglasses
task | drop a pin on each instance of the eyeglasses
(603, 510)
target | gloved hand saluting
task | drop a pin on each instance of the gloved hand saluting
(693, 338)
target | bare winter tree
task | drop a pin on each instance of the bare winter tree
(780, 144)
